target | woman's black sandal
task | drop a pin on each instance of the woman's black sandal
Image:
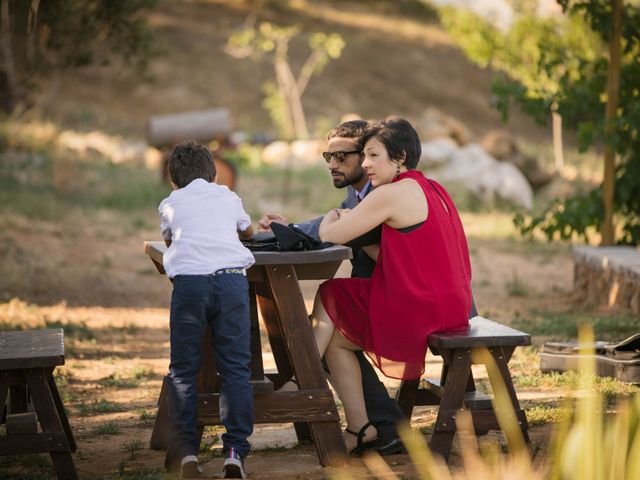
(361, 447)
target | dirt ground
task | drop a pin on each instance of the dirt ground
(118, 349)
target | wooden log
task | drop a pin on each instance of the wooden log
(202, 126)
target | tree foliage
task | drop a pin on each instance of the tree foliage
(564, 62)
(283, 98)
(40, 35)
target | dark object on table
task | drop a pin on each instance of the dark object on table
(283, 239)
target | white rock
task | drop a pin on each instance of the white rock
(485, 176)
(437, 151)
(276, 153)
(308, 152)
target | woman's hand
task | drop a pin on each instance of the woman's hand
(340, 226)
(334, 215)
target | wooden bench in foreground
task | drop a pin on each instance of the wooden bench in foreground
(456, 387)
(27, 361)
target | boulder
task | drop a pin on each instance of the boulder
(434, 123)
(276, 153)
(308, 152)
(299, 153)
(437, 151)
(502, 146)
(485, 176)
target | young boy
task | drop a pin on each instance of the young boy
(201, 223)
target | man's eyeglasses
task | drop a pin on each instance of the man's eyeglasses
(339, 156)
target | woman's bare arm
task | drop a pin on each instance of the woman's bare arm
(371, 212)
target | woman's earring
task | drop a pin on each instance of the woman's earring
(397, 170)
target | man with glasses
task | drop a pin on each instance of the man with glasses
(344, 160)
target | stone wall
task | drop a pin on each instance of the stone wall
(608, 276)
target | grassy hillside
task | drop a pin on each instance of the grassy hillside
(397, 60)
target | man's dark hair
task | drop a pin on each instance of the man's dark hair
(351, 129)
(190, 160)
(399, 138)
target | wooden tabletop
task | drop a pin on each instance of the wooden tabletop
(31, 348)
(155, 250)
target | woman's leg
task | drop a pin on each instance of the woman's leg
(346, 378)
(322, 325)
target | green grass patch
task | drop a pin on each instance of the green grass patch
(75, 330)
(109, 428)
(147, 416)
(142, 372)
(99, 406)
(125, 473)
(611, 389)
(565, 325)
(516, 287)
(26, 467)
(132, 446)
(116, 380)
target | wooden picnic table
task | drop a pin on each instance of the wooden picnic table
(274, 289)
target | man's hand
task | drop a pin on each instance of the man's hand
(246, 234)
(264, 224)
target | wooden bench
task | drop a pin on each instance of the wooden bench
(456, 387)
(27, 361)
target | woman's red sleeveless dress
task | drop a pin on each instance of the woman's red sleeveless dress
(420, 285)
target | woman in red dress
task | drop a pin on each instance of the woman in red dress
(420, 285)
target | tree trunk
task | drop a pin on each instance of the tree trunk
(11, 93)
(613, 85)
(558, 153)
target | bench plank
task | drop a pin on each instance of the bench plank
(480, 333)
(31, 349)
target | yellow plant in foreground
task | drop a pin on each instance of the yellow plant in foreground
(589, 445)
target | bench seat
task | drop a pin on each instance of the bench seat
(456, 388)
(27, 361)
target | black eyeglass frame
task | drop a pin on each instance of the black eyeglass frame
(340, 156)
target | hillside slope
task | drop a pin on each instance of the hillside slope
(397, 60)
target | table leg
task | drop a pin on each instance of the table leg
(4, 393)
(279, 349)
(61, 413)
(160, 434)
(303, 353)
(50, 421)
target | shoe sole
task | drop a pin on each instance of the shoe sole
(393, 448)
(190, 471)
(232, 471)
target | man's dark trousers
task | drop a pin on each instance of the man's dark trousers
(220, 301)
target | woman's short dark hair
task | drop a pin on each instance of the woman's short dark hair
(399, 138)
(190, 160)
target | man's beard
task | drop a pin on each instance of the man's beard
(346, 180)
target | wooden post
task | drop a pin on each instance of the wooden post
(613, 86)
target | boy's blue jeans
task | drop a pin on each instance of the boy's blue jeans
(220, 301)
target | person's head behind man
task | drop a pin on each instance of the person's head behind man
(344, 154)
(190, 160)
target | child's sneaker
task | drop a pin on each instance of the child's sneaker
(233, 465)
(189, 468)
